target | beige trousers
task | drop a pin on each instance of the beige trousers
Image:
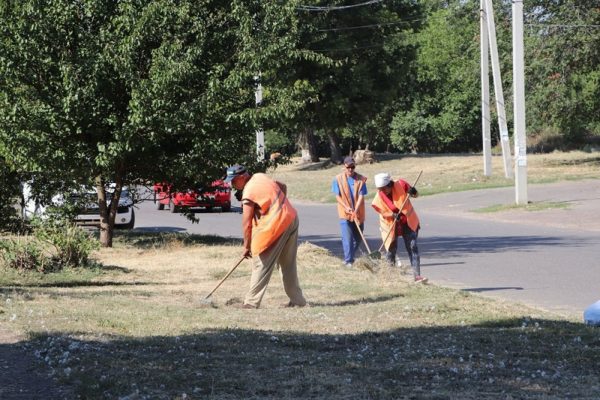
(283, 253)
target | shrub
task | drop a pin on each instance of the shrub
(72, 245)
(55, 245)
(23, 254)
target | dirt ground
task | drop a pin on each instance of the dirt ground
(20, 375)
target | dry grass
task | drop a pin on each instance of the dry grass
(135, 329)
(441, 173)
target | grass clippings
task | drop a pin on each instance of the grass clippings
(135, 330)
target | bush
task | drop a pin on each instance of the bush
(55, 245)
(23, 254)
(72, 245)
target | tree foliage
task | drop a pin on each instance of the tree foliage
(139, 91)
(563, 86)
(443, 109)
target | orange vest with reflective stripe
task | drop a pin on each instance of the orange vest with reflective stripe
(273, 212)
(359, 182)
(385, 224)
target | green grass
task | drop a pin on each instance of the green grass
(138, 329)
(538, 206)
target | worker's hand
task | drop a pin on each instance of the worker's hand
(247, 253)
(349, 210)
(238, 195)
(412, 191)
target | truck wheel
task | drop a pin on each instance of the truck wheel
(160, 206)
(226, 207)
(172, 207)
(131, 223)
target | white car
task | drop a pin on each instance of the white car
(90, 216)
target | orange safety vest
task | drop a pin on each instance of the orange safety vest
(273, 213)
(387, 223)
(359, 182)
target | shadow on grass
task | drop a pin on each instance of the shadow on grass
(152, 239)
(584, 161)
(499, 359)
(70, 284)
(355, 302)
(491, 289)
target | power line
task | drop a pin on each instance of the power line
(348, 28)
(564, 26)
(335, 8)
(347, 48)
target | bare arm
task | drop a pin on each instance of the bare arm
(247, 216)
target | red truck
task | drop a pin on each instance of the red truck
(218, 194)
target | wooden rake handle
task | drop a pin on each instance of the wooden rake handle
(393, 228)
(225, 277)
(362, 236)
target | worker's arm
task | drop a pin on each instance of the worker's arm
(359, 203)
(282, 186)
(247, 216)
(341, 203)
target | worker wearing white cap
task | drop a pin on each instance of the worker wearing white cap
(398, 217)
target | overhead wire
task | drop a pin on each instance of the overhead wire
(348, 28)
(335, 8)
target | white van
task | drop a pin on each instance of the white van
(90, 215)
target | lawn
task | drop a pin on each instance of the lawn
(134, 328)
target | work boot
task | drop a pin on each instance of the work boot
(420, 279)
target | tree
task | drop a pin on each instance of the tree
(563, 85)
(139, 91)
(443, 112)
(363, 67)
(9, 196)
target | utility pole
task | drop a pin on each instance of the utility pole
(499, 94)
(260, 134)
(519, 104)
(485, 92)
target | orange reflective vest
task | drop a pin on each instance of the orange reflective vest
(273, 212)
(387, 223)
(359, 182)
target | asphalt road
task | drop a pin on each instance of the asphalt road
(549, 259)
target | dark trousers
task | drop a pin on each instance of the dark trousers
(410, 243)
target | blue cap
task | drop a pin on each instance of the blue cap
(234, 171)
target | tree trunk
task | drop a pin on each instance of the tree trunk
(308, 144)
(107, 210)
(334, 147)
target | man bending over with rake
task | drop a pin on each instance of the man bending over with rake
(270, 229)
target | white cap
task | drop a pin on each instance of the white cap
(382, 180)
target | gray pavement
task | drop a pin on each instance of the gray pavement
(548, 258)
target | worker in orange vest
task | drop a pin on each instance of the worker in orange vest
(350, 189)
(270, 230)
(390, 197)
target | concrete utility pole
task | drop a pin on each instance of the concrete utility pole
(485, 92)
(260, 134)
(519, 104)
(499, 94)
